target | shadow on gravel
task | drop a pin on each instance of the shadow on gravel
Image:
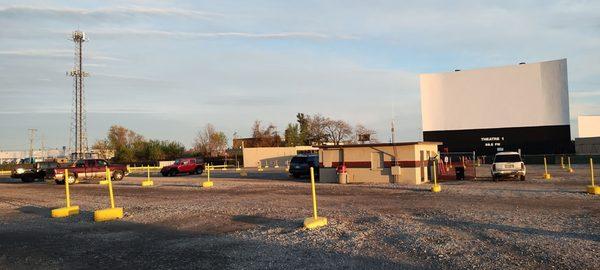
(480, 228)
(40, 211)
(78, 243)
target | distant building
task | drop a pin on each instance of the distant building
(522, 107)
(588, 141)
(372, 163)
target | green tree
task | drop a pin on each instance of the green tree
(292, 135)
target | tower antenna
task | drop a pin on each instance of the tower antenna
(78, 119)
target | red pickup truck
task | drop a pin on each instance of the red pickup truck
(184, 165)
(89, 169)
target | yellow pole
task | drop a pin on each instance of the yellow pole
(562, 162)
(208, 172)
(314, 193)
(148, 173)
(569, 169)
(434, 175)
(110, 190)
(592, 170)
(67, 188)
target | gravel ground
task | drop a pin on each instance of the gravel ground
(255, 222)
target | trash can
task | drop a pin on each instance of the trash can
(343, 178)
(460, 173)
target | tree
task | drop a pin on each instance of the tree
(210, 143)
(316, 129)
(103, 149)
(128, 146)
(303, 133)
(265, 136)
(292, 135)
(362, 130)
(337, 131)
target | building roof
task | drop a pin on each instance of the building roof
(378, 144)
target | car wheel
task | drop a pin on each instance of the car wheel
(27, 179)
(72, 179)
(118, 175)
(173, 172)
(296, 175)
(522, 177)
(165, 174)
(494, 178)
(198, 170)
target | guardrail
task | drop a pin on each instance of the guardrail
(143, 168)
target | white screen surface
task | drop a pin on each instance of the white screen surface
(514, 96)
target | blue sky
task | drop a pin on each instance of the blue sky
(167, 68)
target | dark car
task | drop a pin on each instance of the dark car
(39, 170)
(300, 165)
(184, 165)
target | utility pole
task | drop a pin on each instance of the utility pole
(31, 139)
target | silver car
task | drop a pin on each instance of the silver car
(508, 164)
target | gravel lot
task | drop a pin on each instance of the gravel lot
(255, 222)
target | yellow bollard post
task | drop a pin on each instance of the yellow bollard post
(562, 162)
(593, 189)
(113, 212)
(105, 181)
(315, 221)
(207, 183)
(69, 209)
(546, 174)
(569, 169)
(435, 187)
(148, 182)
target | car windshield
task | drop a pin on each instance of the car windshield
(508, 158)
(299, 160)
(177, 162)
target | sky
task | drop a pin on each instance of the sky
(167, 68)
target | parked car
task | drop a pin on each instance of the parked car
(89, 169)
(184, 165)
(300, 165)
(30, 173)
(508, 164)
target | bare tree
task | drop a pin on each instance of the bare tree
(209, 142)
(103, 149)
(338, 131)
(316, 129)
(361, 130)
(265, 136)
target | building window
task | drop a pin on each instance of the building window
(377, 161)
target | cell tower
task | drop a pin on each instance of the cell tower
(78, 136)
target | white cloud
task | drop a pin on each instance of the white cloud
(106, 12)
(177, 34)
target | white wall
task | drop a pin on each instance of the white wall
(513, 96)
(589, 126)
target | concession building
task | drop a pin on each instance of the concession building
(523, 107)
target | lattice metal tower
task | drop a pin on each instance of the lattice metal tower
(78, 137)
